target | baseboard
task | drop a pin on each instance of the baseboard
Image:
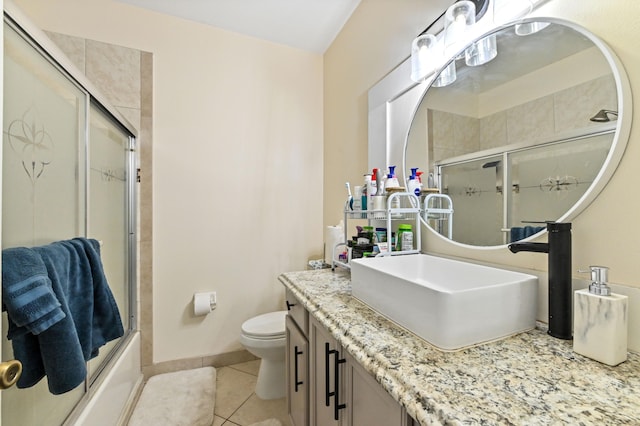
(216, 361)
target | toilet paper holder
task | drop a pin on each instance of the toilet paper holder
(204, 303)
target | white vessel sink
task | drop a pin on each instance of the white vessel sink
(449, 303)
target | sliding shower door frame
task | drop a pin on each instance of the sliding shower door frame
(15, 19)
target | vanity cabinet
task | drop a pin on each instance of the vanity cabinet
(325, 385)
(367, 402)
(297, 312)
(342, 392)
(326, 369)
(297, 361)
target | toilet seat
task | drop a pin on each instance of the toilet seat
(269, 326)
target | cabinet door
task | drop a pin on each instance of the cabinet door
(368, 404)
(327, 377)
(297, 312)
(297, 360)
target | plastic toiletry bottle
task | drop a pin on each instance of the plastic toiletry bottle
(380, 239)
(366, 192)
(379, 182)
(392, 181)
(357, 198)
(374, 183)
(369, 231)
(404, 240)
(600, 320)
(381, 235)
(414, 186)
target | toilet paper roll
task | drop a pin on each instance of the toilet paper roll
(332, 236)
(201, 304)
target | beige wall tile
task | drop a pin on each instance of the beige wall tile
(116, 71)
(73, 47)
(146, 84)
(493, 130)
(573, 107)
(532, 121)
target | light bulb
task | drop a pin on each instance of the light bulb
(458, 18)
(423, 57)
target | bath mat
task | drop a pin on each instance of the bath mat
(268, 422)
(182, 398)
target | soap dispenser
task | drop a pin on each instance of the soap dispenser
(600, 320)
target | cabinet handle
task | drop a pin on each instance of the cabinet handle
(297, 382)
(337, 406)
(336, 379)
(328, 395)
(290, 305)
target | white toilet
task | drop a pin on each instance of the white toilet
(265, 337)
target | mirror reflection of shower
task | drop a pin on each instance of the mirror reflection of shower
(603, 116)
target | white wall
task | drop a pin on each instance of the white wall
(237, 161)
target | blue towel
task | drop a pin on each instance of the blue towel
(92, 318)
(520, 233)
(27, 295)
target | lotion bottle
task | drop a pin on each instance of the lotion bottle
(600, 321)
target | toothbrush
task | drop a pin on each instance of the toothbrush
(350, 199)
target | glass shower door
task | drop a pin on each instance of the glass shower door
(475, 189)
(109, 151)
(551, 179)
(43, 189)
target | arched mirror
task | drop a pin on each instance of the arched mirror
(533, 135)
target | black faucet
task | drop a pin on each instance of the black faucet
(560, 290)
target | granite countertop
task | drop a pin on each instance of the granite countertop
(527, 379)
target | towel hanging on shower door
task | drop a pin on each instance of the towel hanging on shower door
(91, 317)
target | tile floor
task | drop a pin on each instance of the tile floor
(237, 404)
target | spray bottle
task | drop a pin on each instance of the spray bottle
(374, 182)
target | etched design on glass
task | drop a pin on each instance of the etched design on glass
(28, 138)
(110, 174)
(564, 183)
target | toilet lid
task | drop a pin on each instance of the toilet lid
(266, 325)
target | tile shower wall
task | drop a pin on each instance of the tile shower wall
(532, 122)
(124, 76)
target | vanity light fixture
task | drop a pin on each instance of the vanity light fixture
(429, 51)
(602, 116)
(428, 54)
(458, 19)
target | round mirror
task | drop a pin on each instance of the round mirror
(531, 136)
